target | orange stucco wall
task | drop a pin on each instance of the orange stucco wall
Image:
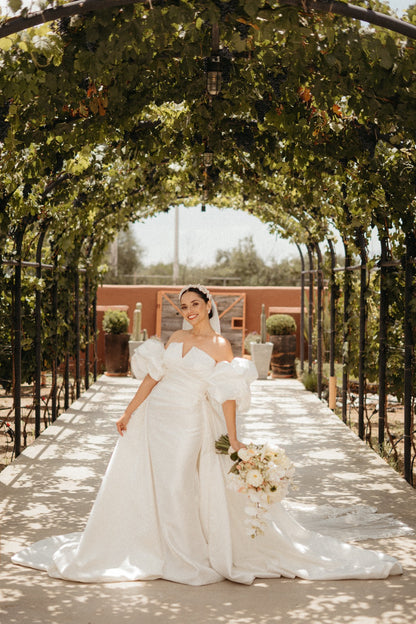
(116, 296)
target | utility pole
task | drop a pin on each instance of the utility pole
(175, 274)
(114, 255)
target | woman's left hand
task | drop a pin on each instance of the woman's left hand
(236, 445)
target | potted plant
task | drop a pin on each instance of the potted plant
(282, 332)
(115, 326)
(261, 350)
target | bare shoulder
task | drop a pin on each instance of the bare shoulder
(223, 348)
(177, 336)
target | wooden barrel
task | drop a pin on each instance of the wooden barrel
(283, 356)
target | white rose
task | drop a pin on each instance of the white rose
(273, 475)
(246, 453)
(268, 451)
(254, 478)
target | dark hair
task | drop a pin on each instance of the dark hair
(201, 294)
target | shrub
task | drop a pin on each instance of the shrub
(251, 337)
(115, 322)
(281, 325)
(310, 381)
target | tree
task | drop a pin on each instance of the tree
(125, 260)
(242, 262)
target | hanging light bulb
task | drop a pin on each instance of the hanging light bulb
(208, 158)
(214, 75)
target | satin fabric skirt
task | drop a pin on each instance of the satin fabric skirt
(163, 511)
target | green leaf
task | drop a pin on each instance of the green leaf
(15, 5)
(385, 59)
(6, 43)
(238, 44)
(251, 7)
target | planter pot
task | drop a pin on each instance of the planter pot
(116, 354)
(261, 355)
(133, 344)
(284, 355)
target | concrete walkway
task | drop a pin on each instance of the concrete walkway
(49, 490)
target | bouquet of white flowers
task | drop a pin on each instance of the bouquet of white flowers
(262, 472)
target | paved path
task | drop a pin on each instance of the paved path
(49, 490)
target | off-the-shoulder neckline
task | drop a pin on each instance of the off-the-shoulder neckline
(184, 355)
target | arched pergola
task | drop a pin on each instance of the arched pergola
(105, 117)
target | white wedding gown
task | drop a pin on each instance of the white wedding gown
(163, 509)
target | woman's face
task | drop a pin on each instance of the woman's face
(194, 308)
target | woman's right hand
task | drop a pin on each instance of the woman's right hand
(122, 422)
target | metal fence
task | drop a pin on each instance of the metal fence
(70, 365)
(315, 274)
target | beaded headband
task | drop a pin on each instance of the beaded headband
(199, 287)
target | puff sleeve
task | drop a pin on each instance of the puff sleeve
(148, 359)
(231, 381)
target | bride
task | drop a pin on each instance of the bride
(163, 509)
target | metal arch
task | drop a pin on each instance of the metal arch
(355, 12)
(319, 320)
(38, 326)
(332, 399)
(17, 335)
(346, 329)
(408, 355)
(362, 337)
(309, 247)
(382, 347)
(81, 7)
(302, 311)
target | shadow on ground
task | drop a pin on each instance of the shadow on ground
(50, 488)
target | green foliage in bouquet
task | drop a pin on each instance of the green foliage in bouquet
(223, 444)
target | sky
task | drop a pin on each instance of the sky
(201, 234)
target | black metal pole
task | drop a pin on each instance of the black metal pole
(38, 333)
(66, 382)
(81, 7)
(382, 345)
(77, 336)
(54, 295)
(17, 339)
(310, 311)
(363, 325)
(94, 330)
(68, 299)
(302, 311)
(87, 331)
(332, 398)
(346, 331)
(408, 356)
(319, 350)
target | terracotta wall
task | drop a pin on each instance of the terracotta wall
(285, 298)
